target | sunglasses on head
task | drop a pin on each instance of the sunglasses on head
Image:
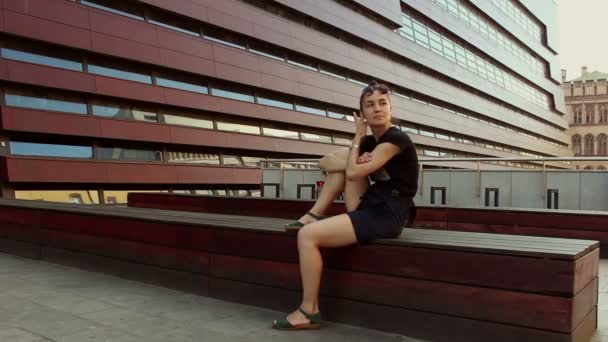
(375, 87)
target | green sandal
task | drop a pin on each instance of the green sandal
(314, 322)
(295, 226)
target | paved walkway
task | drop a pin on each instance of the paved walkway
(41, 301)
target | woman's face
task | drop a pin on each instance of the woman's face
(376, 109)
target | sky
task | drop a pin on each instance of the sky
(582, 35)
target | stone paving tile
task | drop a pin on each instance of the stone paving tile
(44, 302)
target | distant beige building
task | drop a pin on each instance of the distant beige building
(587, 110)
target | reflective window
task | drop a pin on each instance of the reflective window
(233, 160)
(310, 110)
(281, 133)
(183, 120)
(343, 115)
(232, 93)
(240, 128)
(342, 140)
(122, 74)
(63, 196)
(194, 158)
(125, 112)
(117, 7)
(54, 103)
(426, 133)
(252, 161)
(224, 38)
(316, 137)
(409, 129)
(302, 62)
(441, 45)
(40, 59)
(431, 153)
(181, 84)
(333, 71)
(50, 150)
(274, 102)
(266, 51)
(180, 24)
(118, 153)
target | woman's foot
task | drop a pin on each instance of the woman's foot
(302, 221)
(298, 320)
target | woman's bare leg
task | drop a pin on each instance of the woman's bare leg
(335, 165)
(336, 231)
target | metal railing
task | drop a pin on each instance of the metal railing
(567, 161)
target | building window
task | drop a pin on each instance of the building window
(118, 153)
(35, 58)
(42, 101)
(589, 145)
(601, 145)
(50, 150)
(194, 158)
(576, 144)
(603, 119)
(578, 115)
(589, 115)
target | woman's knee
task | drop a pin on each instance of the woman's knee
(306, 237)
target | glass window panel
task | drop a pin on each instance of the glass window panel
(224, 38)
(267, 101)
(310, 110)
(233, 160)
(179, 24)
(187, 121)
(122, 74)
(281, 133)
(240, 128)
(42, 103)
(316, 137)
(409, 129)
(266, 51)
(232, 94)
(427, 133)
(119, 153)
(144, 115)
(343, 141)
(116, 7)
(175, 28)
(252, 161)
(50, 150)
(62, 196)
(431, 153)
(194, 158)
(302, 62)
(333, 71)
(40, 59)
(442, 136)
(169, 83)
(336, 115)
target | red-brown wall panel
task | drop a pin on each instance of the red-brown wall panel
(50, 77)
(120, 47)
(25, 120)
(37, 28)
(133, 130)
(132, 90)
(174, 41)
(67, 12)
(21, 169)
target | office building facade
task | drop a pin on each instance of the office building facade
(103, 97)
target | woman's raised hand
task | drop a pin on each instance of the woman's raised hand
(360, 124)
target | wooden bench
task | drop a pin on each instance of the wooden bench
(570, 224)
(429, 284)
